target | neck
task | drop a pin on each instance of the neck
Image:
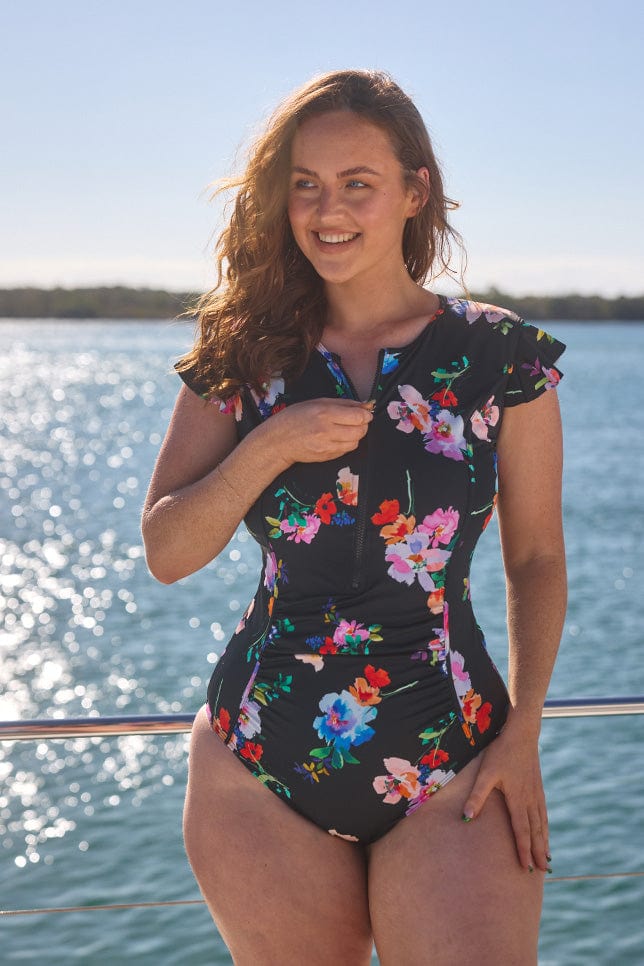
(360, 306)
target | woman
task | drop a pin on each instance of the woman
(354, 419)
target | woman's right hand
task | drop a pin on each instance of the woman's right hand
(318, 429)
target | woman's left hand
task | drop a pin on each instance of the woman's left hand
(511, 764)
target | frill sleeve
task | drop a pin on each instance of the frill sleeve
(192, 381)
(532, 368)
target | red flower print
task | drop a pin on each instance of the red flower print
(434, 758)
(483, 717)
(376, 678)
(329, 646)
(325, 507)
(389, 510)
(221, 724)
(251, 750)
(445, 397)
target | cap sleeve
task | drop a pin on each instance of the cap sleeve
(192, 381)
(532, 369)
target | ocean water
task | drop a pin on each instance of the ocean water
(86, 630)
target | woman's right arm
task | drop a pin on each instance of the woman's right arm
(204, 481)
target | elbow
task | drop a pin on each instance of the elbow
(160, 561)
(161, 569)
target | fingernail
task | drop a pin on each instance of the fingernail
(530, 868)
(466, 818)
(467, 815)
(548, 870)
(548, 857)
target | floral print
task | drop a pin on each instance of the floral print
(414, 784)
(344, 723)
(357, 683)
(442, 430)
(300, 521)
(418, 552)
(348, 637)
(483, 418)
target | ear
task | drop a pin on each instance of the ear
(418, 197)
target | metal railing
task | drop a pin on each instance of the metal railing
(98, 726)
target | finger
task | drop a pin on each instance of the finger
(356, 416)
(477, 797)
(522, 836)
(543, 838)
(537, 839)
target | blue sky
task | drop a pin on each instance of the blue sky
(116, 116)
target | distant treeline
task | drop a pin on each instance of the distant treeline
(119, 302)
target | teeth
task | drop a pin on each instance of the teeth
(336, 239)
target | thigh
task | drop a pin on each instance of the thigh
(437, 883)
(280, 890)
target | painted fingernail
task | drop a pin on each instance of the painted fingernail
(530, 868)
(548, 870)
(548, 857)
(466, 818)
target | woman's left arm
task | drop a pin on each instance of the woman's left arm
(529, 507)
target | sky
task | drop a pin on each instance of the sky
(116, 117)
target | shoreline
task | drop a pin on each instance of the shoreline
(123, 303)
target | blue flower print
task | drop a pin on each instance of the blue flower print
(344, 721)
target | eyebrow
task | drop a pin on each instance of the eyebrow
(348, 173)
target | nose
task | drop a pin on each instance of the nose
(329, 203)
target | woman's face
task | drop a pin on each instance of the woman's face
(348, 201)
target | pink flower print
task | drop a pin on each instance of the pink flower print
(242, 622)
(231, 405)
(461, 678)
(301, 532)
(248, 721)
(401, 782)
(441, 525)
(347, 486)
(435, 780)
(349, 633)
(488, 415)
(474, 310)
(314, 659)
(552, 377)
(413, 411)
(412, 557)
(445, 436)
(342, 835)
(270, 572)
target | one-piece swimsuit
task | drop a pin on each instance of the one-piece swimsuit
(358, 681)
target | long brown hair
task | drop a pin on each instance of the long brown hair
(266, 311)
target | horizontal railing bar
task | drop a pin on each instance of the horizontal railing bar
(48, 910)
(95, 727)
(98, 726)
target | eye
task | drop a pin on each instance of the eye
(355, 183)
(303, 184)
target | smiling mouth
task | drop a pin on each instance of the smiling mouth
(336, 239)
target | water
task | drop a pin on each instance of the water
(87, 631)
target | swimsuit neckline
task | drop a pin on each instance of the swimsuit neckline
(442, 305)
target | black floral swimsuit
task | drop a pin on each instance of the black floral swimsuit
(358, 682)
